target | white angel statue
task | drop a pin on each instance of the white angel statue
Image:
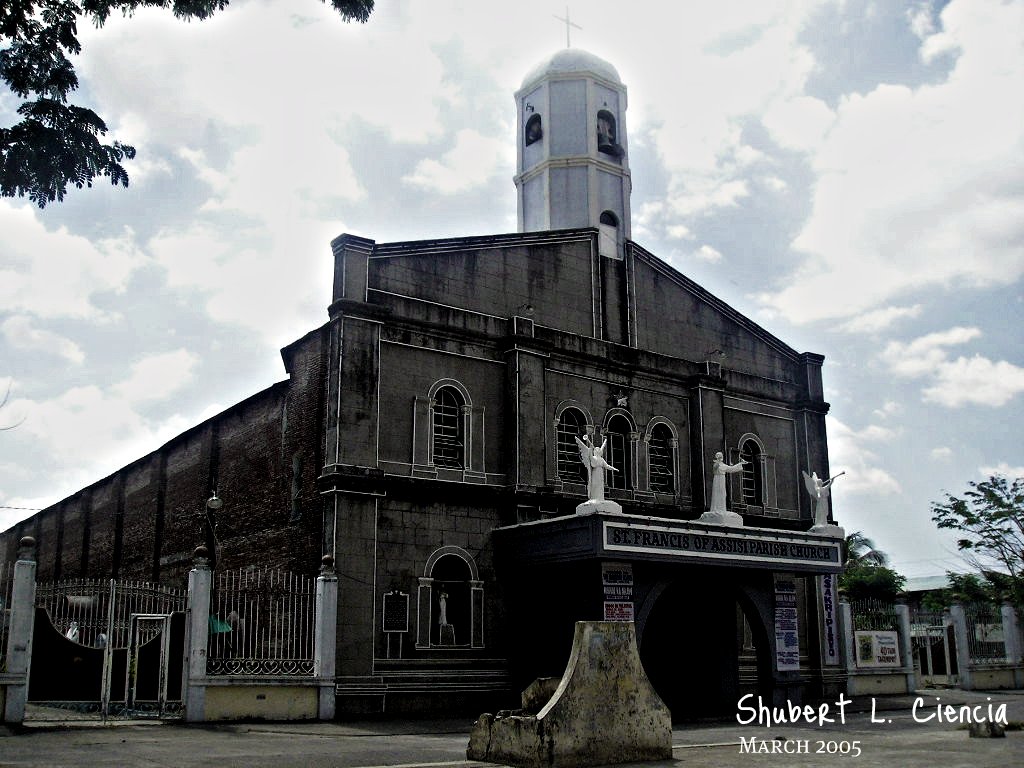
(819, 491)
(593, 459)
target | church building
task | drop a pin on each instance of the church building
(427, 437)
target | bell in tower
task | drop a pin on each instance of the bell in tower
(572, 162)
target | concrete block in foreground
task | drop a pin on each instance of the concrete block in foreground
(603, 711)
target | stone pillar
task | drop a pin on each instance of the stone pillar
(1012, 636)
(424, 598)
(963, 649)
(19, 642)
(200, 583)
(906, 645)
(325, 637)
(846, 633)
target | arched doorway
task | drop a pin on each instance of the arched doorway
(703, 647)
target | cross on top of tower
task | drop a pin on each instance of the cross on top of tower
(568, 23)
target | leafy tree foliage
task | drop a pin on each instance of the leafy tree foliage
(865, 574)
(990, 519)
(966, 588)
(860, 550)
(865, 580)
(57, 143)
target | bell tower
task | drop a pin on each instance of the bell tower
(572, 161)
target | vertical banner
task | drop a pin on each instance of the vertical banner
(617, 581)
(829, 627)
(787, 638)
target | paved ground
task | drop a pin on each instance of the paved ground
(898, 742)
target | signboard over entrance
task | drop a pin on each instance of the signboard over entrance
(739, 546)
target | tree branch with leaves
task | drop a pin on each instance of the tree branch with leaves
(990, 520)
(55, 143)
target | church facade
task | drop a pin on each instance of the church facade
(426, 438)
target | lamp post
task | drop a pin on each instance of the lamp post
(213, 505)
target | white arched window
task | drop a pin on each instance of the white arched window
(661, 459)
(618, 452)
(572, 424)
(449, 438)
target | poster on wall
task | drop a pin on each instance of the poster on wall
(617, 582)
(877, 649)
(829, 630)
(787, 636)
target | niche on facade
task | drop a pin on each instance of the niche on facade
(450, 602)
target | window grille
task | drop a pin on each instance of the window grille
(753, 485)
(448, 433)
(659, 450)
(571, 425)
(617, 453)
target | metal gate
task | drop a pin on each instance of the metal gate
(934, 644)
(106, 648)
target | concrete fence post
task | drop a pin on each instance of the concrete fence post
(906, 645)
(200, 583)
(325, 633)
(963, 649)
(846, 628)
(1012, 635)
(19, 643)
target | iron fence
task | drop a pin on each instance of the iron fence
(985, 642)
(6, 587)
(261, 624)
(98, 612)
(876, 615)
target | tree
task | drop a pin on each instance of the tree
(860, 550)
(990, 519)
(57, 143)
(864, 580)
(864, 572)
(968, 588)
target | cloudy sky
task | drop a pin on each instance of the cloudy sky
(850, 174)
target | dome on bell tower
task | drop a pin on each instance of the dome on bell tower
(571, 61)
(573, 164)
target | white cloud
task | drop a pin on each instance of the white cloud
(879, 319)
(889, 408)
(1002, 468)
(707, 253)
(972, 380)
(87, 427)
(800, 123)
(471, 162)
(926, 354)
(975, 381)
(158, 376)
(21, 334)
(863, 466)
(34, 255)
(679, 232)
(920, 187)
(941, 453)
